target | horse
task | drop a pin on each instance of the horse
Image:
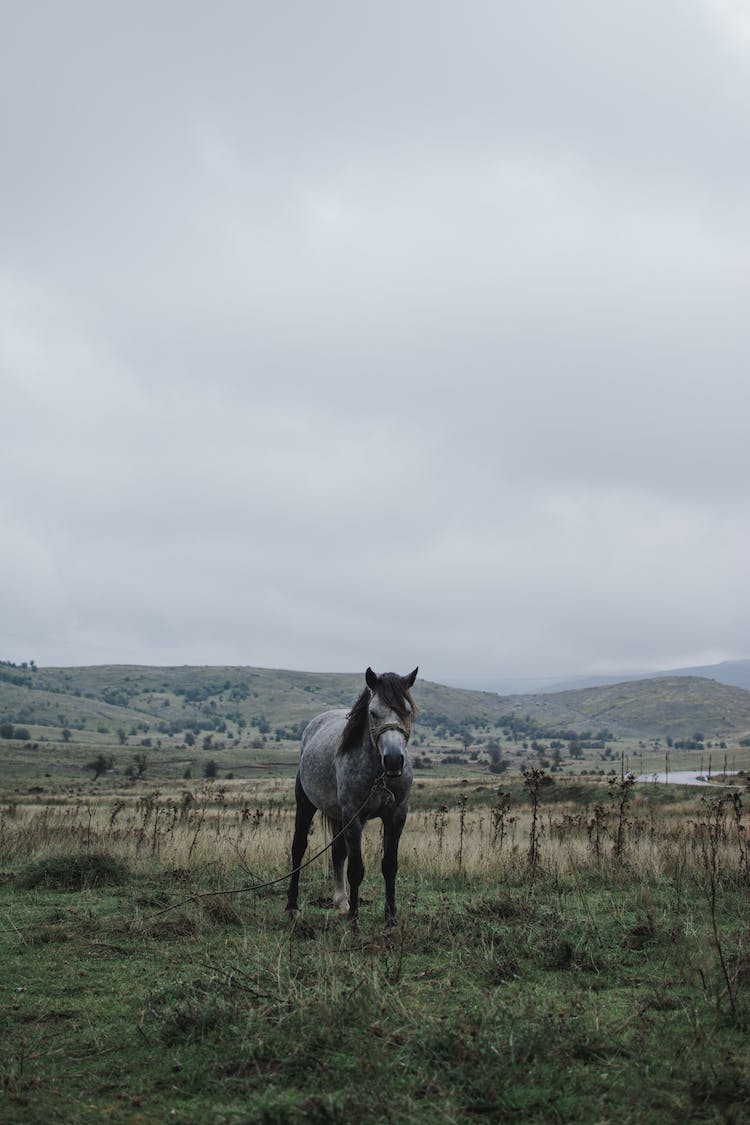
(355, 766)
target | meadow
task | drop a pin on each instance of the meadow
(564, 952)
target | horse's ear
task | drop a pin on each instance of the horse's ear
(409, 680)
(371, 679)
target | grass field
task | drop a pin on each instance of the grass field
(588, 963)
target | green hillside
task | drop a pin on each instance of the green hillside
(108, 698)
(676, 706)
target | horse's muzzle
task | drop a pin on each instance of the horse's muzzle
(393, 764)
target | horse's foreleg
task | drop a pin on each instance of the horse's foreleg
(355, 869)
(338, 858)
(303, 819)
(392, 829)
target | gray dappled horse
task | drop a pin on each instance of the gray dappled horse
(355, 766)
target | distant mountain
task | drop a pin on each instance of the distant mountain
(274, 702)
(735, 673)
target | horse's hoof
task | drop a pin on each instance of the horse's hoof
(341, 902)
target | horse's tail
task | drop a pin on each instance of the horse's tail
(331, 827)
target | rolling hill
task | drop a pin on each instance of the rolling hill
(110, 697)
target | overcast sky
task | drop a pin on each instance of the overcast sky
(336, 334)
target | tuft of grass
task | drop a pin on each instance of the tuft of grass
(72, 872)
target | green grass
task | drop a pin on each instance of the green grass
(594, 996)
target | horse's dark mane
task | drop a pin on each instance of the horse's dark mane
(393, 693)
(356, 721)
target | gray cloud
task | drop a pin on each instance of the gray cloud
(334, 336)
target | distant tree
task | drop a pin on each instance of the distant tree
(189, 738)
(140, 763)
(210, 769)
(6, 730)
(66, 734)
(121, 735)
(497, 763)
(99, 765)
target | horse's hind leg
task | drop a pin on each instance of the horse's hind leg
(355, 869)
(303, 819)
(338, 859)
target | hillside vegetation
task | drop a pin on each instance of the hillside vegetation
(169, 700)
(675, 705)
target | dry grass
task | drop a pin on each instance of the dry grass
(246, 827)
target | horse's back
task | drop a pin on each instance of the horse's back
(324, 727)
(317, 767)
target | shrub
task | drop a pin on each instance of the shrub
(72, 872)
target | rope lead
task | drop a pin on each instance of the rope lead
(379, 783)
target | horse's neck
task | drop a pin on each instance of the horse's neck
(361, 762)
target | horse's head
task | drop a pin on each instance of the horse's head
(389, 716)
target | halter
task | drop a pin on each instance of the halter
(375, 734)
